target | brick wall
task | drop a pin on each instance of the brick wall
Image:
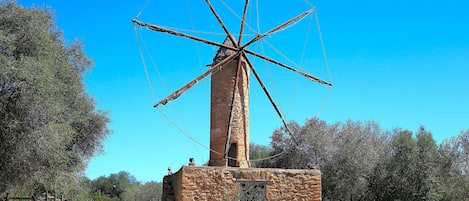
(224, 183)
(222, 93)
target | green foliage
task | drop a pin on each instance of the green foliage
(49, 127)
(147, 191)
(454, 156)
(395, 178)
(257, 153)
(120, 186)
(413, 170)
(114, 185)
(361, 161)
(345, 153)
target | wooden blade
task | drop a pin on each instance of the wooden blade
(241, 30)
(281, 26)
(164, 30)
(221, 23)
(264, 88)
(311, 77)
(190, 84)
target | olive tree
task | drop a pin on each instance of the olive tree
(49, 126)
(413, 169)
(454, 154)
(345, 152)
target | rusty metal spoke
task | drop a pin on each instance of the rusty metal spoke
(241, 30)
(190, 84)
(233, 102)
(222, 24)
(164, 30)
(279, 27)
(311, 77)
(267, 93)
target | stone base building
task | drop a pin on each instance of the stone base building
(232, 183)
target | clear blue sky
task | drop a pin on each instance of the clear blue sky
(399, 63)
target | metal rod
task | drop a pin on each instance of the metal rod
(164, 30)
(222, 24)
(271, 100)
(241, 30)
(184, 88)
(233, 102)
(311, 77)
(281, 26)
(235, 90)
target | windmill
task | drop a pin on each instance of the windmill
(230, 79)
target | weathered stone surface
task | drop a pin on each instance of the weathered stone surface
(223, 84)
(223, 183)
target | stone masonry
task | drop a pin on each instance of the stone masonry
(226, 183)
(222, 92)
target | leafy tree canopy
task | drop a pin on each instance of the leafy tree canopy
(361, 161)
(120, 186)
(49, 126)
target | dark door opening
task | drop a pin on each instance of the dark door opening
(232, 155)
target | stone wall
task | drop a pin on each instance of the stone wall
(226, 101)
(228, 183)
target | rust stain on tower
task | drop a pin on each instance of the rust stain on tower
(229, 139)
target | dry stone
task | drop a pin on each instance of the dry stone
(223, 183)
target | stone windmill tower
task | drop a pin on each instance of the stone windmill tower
(229, 116)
